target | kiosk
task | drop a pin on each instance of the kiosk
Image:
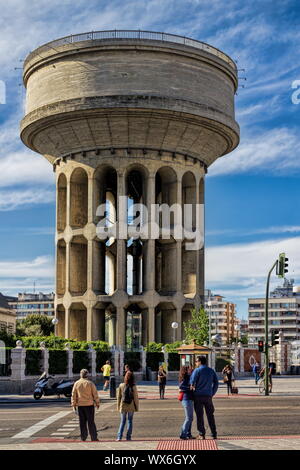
(188, 353)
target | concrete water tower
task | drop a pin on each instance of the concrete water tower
(135, 114)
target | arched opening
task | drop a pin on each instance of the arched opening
(78, 266)
(189, 258)
(61, 203)
(165, 315)
(78, 322)
(61, 317)
(61, 268)
(79, 198)
(105, 251)
(135, 191)
(165, 267)
(98, 322)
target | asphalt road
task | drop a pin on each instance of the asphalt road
(235, 416)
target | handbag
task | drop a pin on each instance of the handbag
(225, 379)
(180, 395)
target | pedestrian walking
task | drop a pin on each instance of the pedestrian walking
(127, 404)
(85, 398)
(106, 369)
(228, 377)
(204, 383)
(162, 380)
(256, 371)
(187, 401)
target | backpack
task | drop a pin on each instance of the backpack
(127, 395)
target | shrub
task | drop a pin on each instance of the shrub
(33, 362)
(101, 358)
(80, 361)
(154, 347)
(153, 359)
(133, 359)
(172, 347)
(58, 361)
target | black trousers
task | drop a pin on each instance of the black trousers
(87, 420)
(162, 387)
(229, 386)
(201, 402)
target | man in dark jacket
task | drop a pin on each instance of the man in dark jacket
(204, 382)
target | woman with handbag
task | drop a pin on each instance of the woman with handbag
(228, 377)
(162, 380)
(186, 398)
(127, 404)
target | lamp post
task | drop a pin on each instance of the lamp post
(209, 304)
(174, 325)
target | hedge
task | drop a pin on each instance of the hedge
(80, 361)
(33, 362)
(153, 359)
(101, 358)
(58, 361)
(133, 359)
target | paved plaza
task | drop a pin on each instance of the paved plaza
(247, 421)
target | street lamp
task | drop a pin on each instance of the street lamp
(174, 325)
(54, 322)
(209, 304)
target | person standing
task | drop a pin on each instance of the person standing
(85, 398)
(228, 377)
(106, 369)
(204, 382)
(187, 402)
(127, 404)
(162, 380)
(256, 371)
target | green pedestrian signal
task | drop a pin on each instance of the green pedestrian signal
(274, 337)
(282, 265)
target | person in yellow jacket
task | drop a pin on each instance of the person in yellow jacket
(85, 398)
(127, 404)
(106, 369)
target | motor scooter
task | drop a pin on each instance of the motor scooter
(42, 387)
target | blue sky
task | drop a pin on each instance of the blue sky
(252, 195)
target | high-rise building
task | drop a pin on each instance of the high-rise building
(128, 117)
(284, 313)
(222, 316)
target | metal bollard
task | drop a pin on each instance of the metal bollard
(112, 387)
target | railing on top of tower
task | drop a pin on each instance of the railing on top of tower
(138, 34)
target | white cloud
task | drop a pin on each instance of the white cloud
(276, 151)
(40, 267)
(25, 167)
(15, 199)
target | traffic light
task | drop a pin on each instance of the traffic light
(282, 265)
(261, 346)
(274, 337)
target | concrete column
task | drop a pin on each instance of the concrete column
(200, 253)
(90, 265)
(67, 322)
(179, 321)
(45, 359)
(90, 201)
(122, 228)
(149, 270)
(89, 324)
(18, 356)
(143, 361)
(179, 266)
(121, 327)
(111, 328)
(92, 358)
(151, 324)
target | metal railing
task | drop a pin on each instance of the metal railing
(133, 34)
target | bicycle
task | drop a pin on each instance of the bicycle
(261, 386)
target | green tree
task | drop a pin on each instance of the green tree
(197, 328)
(42, 321)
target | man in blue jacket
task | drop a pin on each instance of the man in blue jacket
(204, 382)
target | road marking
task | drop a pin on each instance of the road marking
(41, 425)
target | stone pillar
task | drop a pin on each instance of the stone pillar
(122, 232)
(92, 359)
(149, 270)
(111, 328)
(89, 323)
(242, 360)
(45, 357)
(18, 356)
(179, 321)
(70, 361)
(143, 355)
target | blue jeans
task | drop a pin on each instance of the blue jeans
(123, 423)
(188, 406)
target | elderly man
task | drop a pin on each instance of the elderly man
(85, 398)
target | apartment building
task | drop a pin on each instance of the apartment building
(284, 313)
(27, 304)
(223, 317)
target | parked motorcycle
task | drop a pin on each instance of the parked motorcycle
(62, 387)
